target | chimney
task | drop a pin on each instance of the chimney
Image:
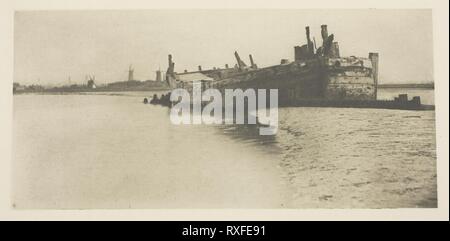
(226, 66)
(307, 34)
(158, 76)
(171, 68)
(170, 60)
(324, 32)
(309, 43)
(308, 38)
(130, 73)
(199, 68)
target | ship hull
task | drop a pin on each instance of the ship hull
(318, 79)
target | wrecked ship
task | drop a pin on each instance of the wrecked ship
(316, 74)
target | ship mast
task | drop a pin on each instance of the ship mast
(240, 63)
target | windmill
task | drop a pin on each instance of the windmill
(91, 81)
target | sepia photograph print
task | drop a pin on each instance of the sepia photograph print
(267, 109)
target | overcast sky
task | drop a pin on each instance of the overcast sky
(52, 45)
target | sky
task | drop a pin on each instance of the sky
(50, 46)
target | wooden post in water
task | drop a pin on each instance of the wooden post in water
(374, 59)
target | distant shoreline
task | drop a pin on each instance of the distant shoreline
(122, 86)
(409, 86)
(59, 91)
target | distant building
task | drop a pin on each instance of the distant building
(159, 75)
(130, 73)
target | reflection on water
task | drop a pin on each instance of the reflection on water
(248, 133)
(107, 151)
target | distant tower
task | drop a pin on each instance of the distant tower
(159, 75)
(130, 73)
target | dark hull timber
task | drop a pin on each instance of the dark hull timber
(314, 79)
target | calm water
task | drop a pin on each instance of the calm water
(112, 151)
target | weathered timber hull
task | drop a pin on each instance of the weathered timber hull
(318, 77)
(311, 80)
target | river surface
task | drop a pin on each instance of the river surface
(108, 150)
